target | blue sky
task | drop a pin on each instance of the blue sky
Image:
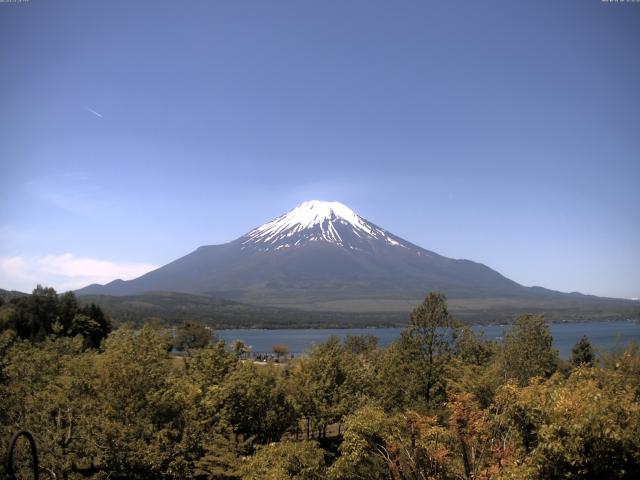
(131, 132)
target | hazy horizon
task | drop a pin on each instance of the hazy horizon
(503, 132)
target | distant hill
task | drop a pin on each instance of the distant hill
(174, 308)
(9, 294)
(322, 256)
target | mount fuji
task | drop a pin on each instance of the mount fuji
(324, 256)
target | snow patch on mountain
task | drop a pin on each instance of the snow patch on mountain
(317, 220)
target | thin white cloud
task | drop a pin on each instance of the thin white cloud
(91, 110)
(74, 192)
(64, 272)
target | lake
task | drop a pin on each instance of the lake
(602, 335)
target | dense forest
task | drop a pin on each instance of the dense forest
(440, 403)
(175, 308)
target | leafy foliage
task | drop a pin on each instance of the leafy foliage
(192, 335)
(583, 427)
(286, 460)
(527, 350)
(44, 312)
(582, 353)
(440, 403)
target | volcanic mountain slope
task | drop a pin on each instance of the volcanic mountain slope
(322, 255)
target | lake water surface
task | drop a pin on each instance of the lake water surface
(603, 335)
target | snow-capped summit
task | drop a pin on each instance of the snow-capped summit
(318, 221)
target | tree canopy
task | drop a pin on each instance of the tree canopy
(43, 313)
(440, 403)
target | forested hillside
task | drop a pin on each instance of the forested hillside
(439, 403)
(174, 308)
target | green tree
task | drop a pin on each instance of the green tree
(286, 460)
(192, 335)
(240, 348)
(67, 309)
(209, 366)
(361, 344)
(363, 451)
(41, 312)
(216, 454)
(49, 390)
(473, 348)
(432, 333)
(625, 363)
(88, 328)
(329, 384)
(473, 369)
(222, 458)
(252, 400)
(45, 313)
(402, 446)
(582, 353)
(527, 350)
(33, 317)
(96, 335)
(413, 370)
(145, 405)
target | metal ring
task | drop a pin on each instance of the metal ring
(34, 454)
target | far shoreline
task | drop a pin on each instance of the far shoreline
(604, 334)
